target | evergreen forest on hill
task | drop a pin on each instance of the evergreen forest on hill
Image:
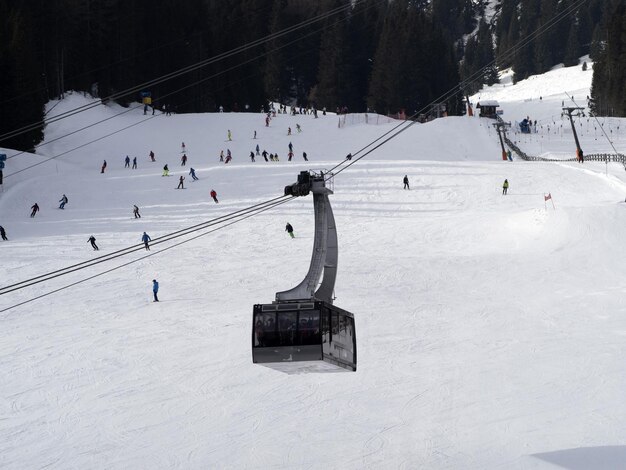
(381, 55)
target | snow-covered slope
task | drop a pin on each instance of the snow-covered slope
(490, 329)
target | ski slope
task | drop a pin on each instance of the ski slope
(491, 329)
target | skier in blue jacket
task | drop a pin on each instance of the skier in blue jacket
(155, 289)
(145, 238)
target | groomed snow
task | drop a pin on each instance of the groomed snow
(491, 330)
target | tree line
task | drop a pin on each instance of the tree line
(380, 55)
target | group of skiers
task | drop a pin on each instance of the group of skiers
(505, 185)
(127, 162)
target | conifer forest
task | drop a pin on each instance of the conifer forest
(378, 55)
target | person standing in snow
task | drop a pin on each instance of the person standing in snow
(257, 149)
(35, 209)
(221, 156)
(254, 135)
(192, 172)
(182, 146)
(145, 238)
(289, 131)
(289, 230)
(166, 170)
(304, 156)
(290, 155)
(92, 240)
(180, 182)
(155, 290)
(63, 201)
(290, 147)
(230, 135)
(406, 182)
(265, 155)
(134, 163)
(127, 162)
(3, 234)
(251, 155)
(104, 165)
(183, 160)
(214, 196)
(152, 156)
(298, 128)
(505, 187)
(136, 212)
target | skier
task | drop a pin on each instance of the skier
(35, 208)
(152, 156)
(265, 154)
(267, 121)
(251, 155)
(3, 234)
(230, 135)
(166, 171)
(192, 172)
(290, 155)
(222, 156)
(505, 187)
(229, 156)
(298, 128)
(406, 182)
(180, 182)
(134, 163)
(145, 238)
(183, 160)
(289, 131)
(257, 149)
(127, 162)
(182, 146)
(304, 156)
(136, 212)
(289, 230)
(214, 196)
(92, 239)
(508, 155)
(155, 290)
(254, 135)
(290, 147)
(63, 201)
(104, 165)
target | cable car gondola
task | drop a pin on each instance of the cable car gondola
(302, 331)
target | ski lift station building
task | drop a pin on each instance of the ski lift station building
(488, 108)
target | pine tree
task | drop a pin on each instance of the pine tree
(572, 52)
(364, 32)
(20, 85)
(334, 73)
(608, 89)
